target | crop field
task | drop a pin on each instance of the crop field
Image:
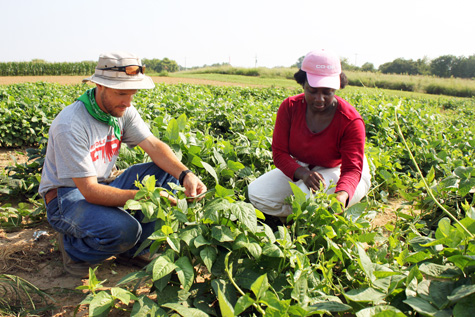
(219, 258)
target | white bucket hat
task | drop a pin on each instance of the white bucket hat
(111, 72)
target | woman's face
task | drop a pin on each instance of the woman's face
(319, 99)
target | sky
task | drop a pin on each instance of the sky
(244, 33)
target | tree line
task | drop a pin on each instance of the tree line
(445, 66)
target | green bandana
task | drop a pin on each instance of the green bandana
(90, 102)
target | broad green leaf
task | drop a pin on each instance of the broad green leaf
(162, 283)
(180, 216)
(185, 311)
(401, 258)
(271, 300)
(216, 206)
(242, 304)
(329, 232)
(430, 176)
(421, 306)
(225, 307)
(259, 214)
(465, 307)
(365, 262)
(227, 289)
(335, 248)
(366, 237)
(300, 196)
(461, 292)
(272, 250)
(418, 256)
(462, 261)
(173, 241)
(223, 192)
(356, 211)
(440, 271)
(468, 223)
(185, 272)
(463, 172)
(465, 186)
(208, 255)
(189, 233)
(131, 277)
(145, 307)
(254, 249)
(162, 267)
(181, 122)
(222, 234)
(149, 183)
(148, 209)
(380, 311)
(200, 241)
(328, 307)
(182, 204)
(123, 295)
(260, 286)
(383, 274)
(443, 229)
(245, 214)
(173, 131)
(300, 291)
(235, 166)
(367, 294)
(167, 230)
(132, 205)
(101, 304)
(269, 233)
(210, 170)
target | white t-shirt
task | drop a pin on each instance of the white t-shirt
(81, 146)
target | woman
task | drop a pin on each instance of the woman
(318, 139)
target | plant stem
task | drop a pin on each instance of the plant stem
(429, 190)
(230, 275)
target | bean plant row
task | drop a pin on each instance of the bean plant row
(219, 257)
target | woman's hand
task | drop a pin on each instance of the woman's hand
(342, 197)
(311, 179)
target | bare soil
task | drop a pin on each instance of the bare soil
(38, 260)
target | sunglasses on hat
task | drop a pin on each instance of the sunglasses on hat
(129, 70)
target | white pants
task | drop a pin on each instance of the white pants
(268, 192)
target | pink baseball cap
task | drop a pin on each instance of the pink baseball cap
(323, 69)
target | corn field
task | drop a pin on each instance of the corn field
(46, 69)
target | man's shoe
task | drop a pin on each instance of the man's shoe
(139, 260)
(80, 269)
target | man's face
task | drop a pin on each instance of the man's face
(114, 101)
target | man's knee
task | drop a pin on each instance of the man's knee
(121, 237)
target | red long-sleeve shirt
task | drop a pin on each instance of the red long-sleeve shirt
(341, 143)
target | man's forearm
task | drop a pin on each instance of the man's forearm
(106, 195)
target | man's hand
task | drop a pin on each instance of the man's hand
(193, 186)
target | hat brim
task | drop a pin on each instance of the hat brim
(144, 82)
(323, 81)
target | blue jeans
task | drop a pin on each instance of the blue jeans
(93, 233)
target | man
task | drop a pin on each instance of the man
(83, 146)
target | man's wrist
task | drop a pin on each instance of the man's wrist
(183, 174)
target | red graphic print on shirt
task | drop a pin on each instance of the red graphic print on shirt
(105, 149)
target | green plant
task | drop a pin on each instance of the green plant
(21, 298)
